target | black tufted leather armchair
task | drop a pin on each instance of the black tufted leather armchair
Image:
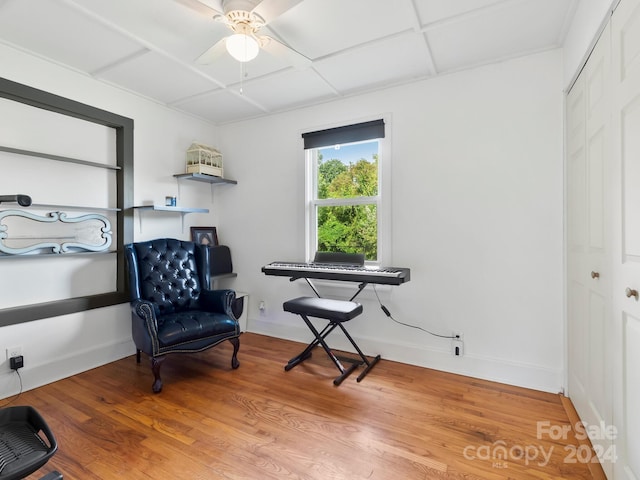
(172, 308)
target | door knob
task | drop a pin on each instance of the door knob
(631, 293)
(595, 274)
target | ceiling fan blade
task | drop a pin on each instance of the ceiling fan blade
(268, 10)
(207, 8)
(278, 49)
(213, 53)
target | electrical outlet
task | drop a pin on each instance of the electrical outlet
(16, 362)
(14, 352)
(457, 344)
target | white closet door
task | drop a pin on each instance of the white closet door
(625, 48)
(589, 262)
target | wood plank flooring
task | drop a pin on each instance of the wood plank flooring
(259, 422)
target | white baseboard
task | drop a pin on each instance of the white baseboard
(34, 376)
(482, 367)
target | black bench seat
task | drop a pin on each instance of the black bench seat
(337, 312)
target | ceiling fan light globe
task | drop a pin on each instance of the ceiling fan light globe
(243, 48)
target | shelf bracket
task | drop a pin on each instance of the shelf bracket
(178, 182)
(182, 215)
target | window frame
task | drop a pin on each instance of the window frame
(382, 200)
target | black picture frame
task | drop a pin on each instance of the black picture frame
(205, 236)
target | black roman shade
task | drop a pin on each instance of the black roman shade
(357, 132)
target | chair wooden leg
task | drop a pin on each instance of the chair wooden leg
(236, 346)
(156, 363)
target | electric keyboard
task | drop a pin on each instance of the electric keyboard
(340, 272)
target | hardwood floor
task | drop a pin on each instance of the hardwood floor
(260, 422)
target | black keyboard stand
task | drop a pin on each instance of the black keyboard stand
(334, 267)
(336, 312)
(361, 287)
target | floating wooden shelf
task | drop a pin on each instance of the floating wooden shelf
(201, 177)
(220, 276)
(224, 275)
(73, 207)
(162, 208)
(58, 158)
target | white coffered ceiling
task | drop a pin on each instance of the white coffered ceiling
(150, 46)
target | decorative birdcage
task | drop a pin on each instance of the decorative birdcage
(204, 159)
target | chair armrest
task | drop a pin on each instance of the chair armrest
(218, 301)
(144, 311)
(39, 424)
(144, 326)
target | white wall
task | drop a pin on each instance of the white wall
(477, 216)
(582, 35)
(57, 347)
(476, 205)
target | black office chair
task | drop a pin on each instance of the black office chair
(26, 443)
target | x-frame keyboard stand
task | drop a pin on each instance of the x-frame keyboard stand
(336, 318)
(361, 287)
(334, 266)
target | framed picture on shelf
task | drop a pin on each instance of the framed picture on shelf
(204, 236)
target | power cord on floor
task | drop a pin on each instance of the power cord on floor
(388, 314)
(18, 394)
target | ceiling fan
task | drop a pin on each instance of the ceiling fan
(245, 18)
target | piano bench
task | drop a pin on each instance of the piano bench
(334, 310)
(337, 312)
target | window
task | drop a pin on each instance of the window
(344, 194)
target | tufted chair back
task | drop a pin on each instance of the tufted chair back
(170, 274)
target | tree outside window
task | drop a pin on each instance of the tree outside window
(346, 198)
